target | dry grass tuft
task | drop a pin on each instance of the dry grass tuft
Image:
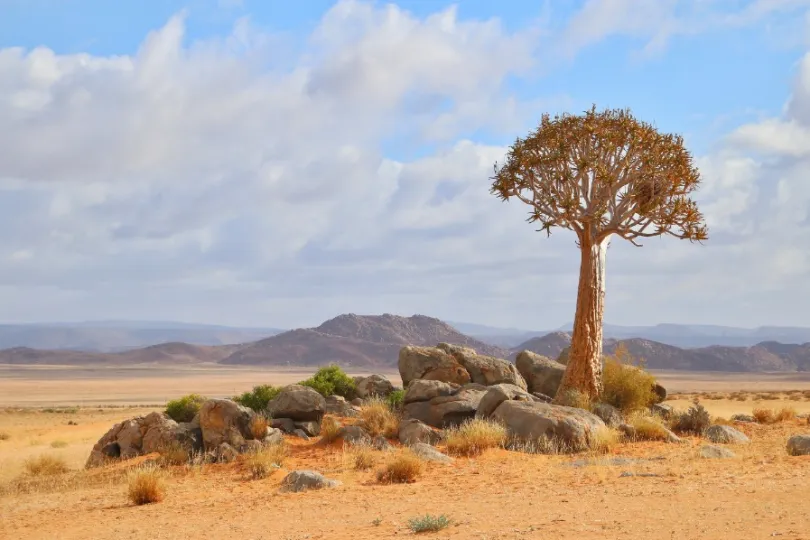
(552, 446)
(377, 418)
(574, 398)
(763, 416)
(648, 428)
(720, 421)
(59, 444)
(362, 457)
(258, 427)
(474, 436)
(45, 465)
(785, 414)
(174, 454)
(262, 464)
(330, 429)
(625, 385)
(604, 440)
(404, 467)
(146, 485)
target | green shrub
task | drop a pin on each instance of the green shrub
(695, 420)
(428, 523)
(624, 385)
(258, 398)
(331, 381)
(185, 408)
(395, 399)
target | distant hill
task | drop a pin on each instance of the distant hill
(766, 356)
(113, 336)
(355, 340)
(171, 354)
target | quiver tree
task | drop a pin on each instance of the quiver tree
(600, 174)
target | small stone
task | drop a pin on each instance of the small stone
(428, 453)
(726, 435)
(297, 481)
(710, 451)
(799, 445)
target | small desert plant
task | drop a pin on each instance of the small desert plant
(258, 398)
(574, 398)
(45, 465)
(174, 454)
(378, 419)
(330, 429)
(542, 445)
(474, 436)
(695, 420)
(784, 414)
(4, 435)
(720, 421)
(404, 467)
(625, 384)
(258, 426)
(331, 381)
(395, 399)
(648, 428)
(763, 416)
(362, 457)
(603, 440)
(58, 444)
(146, 485)
(262, 463)
(185, 408)
(428, 523)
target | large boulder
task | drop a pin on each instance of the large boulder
(225, 421)
(486, 370)
(298, 403)
(530, 421)
(499, 393)
(609, 414)
(542, 374)
(413, 431)
(424, 390)
(144, 435)
(799, 445)
(338, 406)
(373, 385)
(447, 411)
(430, 363)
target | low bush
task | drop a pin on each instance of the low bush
(261, 464)
(258, 398)
(395, 399)
(331, 381)
(625, 384)
(146, 486)
(362, 457)
(428, 523)
(763, 416)
(695, 420)
(377, 418)
(403, 468)
(784, 414)
(648, 428)
(474, 436)
(45, 465)
(603, 440)
(185, 408)
(574, 398)
(258, 426)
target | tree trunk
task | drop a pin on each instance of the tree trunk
(584, 371)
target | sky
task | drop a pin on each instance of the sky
(274, 164)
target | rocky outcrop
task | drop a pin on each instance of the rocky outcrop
(447, 410)
(571, 428)
(609, 414)
(373, 386)
(428, 453)
(495, 395)
(298, 403)
(423, 390)
(430, 363)
(225, 421)
(412, 431)
(485, 370)
(338, 406)
(144, 435)
(710, 451)
(542, 374)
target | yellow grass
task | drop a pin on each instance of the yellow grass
(58, 444)
(362, 457)
(146, 485)
(45, 465)
(648, 428)
(330, 429)
(402, 468)
(474, 436)
(763, 416)
(377, 418)
(258, 427)
(604, 440)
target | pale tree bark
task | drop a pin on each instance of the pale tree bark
(584, 370)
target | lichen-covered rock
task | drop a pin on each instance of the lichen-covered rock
(447, 411)
(663, 410)
(225, 421)
(425, 390)
(799, 445)
(298, 403)
(726, 435)
(430, 363)
(542, 374)
(373, 385)
(305, 480)
(527, 421)
(412, 431)
(497, 394)
(485, 370)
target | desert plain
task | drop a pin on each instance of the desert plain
(637, 490)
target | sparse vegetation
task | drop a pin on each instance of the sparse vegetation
(377, 418)
(395, 399)
(404, 467)
(648, 428)
(258, 398)
(59, 444)
(574, 398)
(258, 426)
(604, 440)
(262, 464)
(330, 429)
(146, 485)
(174, 454)
(695, 420)
(625, 384)
(45, 465)
(362, 457)
(331, 381)
(428, 523)
(785, 414)
(763, 416)
(185, 408)
(474, 436)
(4, 435)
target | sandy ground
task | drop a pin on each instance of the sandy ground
(760, 494)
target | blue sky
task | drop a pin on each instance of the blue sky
(276, 163)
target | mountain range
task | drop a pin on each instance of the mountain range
(373, 341)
